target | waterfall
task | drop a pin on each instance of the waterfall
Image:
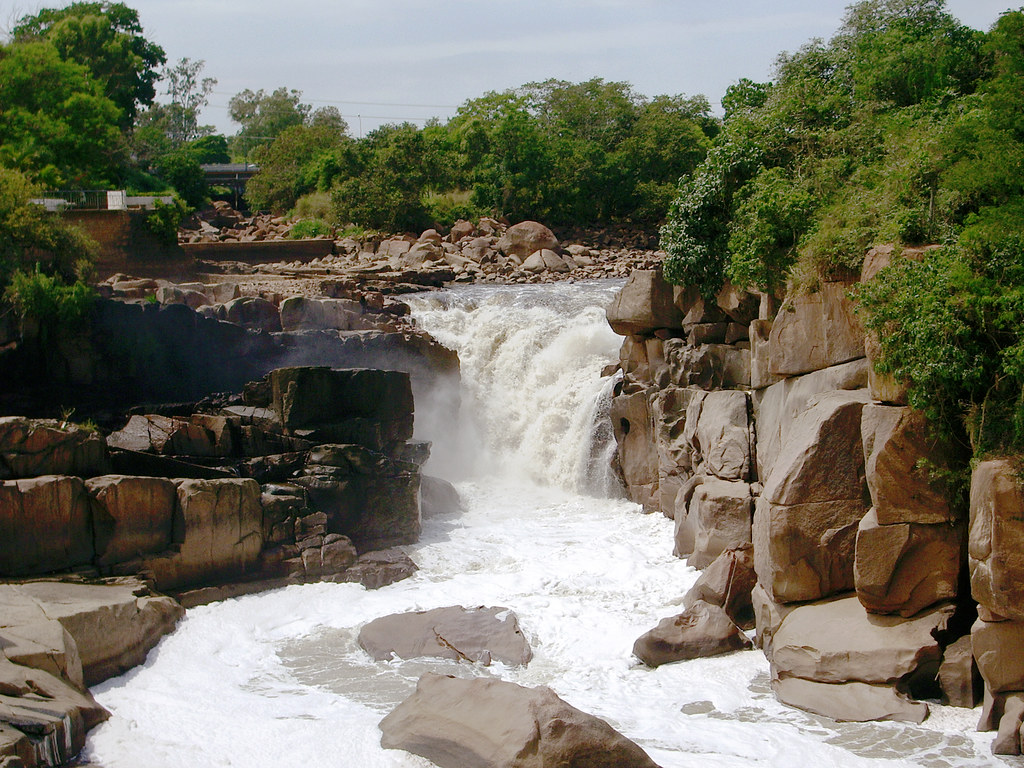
(534, 405)
(279, 679)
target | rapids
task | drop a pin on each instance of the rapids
(277, 679)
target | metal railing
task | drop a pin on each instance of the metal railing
(78, 199)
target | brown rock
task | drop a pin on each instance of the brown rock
(896, 445)
(44, 525)
(114, 625)
(999, 650)
(959, 678)
(905, 567)
(722, 435)
(1008, 739)
(637, 451)
(760, 375)
(221, 538)
(721, 513)
(815, 332)
(254, 313)
(702, 630)
(838, 641)
(463, 634)
(849, 702)
(882, 385)
(996, 539)
(33, 447)
(378, 569)
(644, 305)
(525, 238)
(728, 582)
(133, 516)
(739, 305)
(806, 519)
(457, 722)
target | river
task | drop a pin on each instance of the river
(277, 679)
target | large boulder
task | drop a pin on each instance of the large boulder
(525, 238)
(905, 567)
(805, 521)
(485, 722)
(132, 516)
(815, 331)
(299, 313)
(343, 404)
(481, 634)
(644, 305)
(722, 434)
(900, 461)
(728, 582)
(777, 406)
(702, 630)
(221, 534)
(996, 540)
(999, 650)
(254, 313)
(45, 525)
(721, 513)
(633, 427)
(113, 624)
(849, 702)
(33, 447)
(837, 641)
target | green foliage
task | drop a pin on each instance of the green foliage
(165, 219)
(55, 124)
(55, 309)
(263, 117)
(29, 235)
(303, 159)
(107, 39)
(952, 326)
(189, 94)
(875, 136)
(181, 170)
(307, 228)
(313, 205)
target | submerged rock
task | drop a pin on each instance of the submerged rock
(463, 634)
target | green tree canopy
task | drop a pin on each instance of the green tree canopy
(55, 124)
(107, 39)
(264, 116)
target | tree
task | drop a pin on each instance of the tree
(264, 116)
(744, 96)
(55, 124)
(296, 163)
(189, 94)
(107, 38)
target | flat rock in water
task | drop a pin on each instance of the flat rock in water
(485, 722)
(465, 634)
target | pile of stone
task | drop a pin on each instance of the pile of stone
(805, 486)
(487, 251)
(223, 224)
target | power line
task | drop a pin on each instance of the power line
(367, 103)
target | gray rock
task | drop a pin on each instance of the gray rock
(850, 702)
(464, 634)
(484, 722)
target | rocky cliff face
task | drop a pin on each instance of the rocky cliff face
(753, 427)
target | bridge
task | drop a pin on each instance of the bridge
(231, 175)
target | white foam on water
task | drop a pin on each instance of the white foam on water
(278, 679)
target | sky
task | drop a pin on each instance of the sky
(382, 61)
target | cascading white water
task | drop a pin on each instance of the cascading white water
(278, 679)
(531, 358)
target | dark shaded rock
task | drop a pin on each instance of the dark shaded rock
(462, 634)
(482, 722)
(438, 497)
(378, 569)
(45, 525)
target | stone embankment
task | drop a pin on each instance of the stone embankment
(812, 497)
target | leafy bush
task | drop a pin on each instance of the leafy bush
(165, 219)
(308, 228)
(56, 309)
(314, 205)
